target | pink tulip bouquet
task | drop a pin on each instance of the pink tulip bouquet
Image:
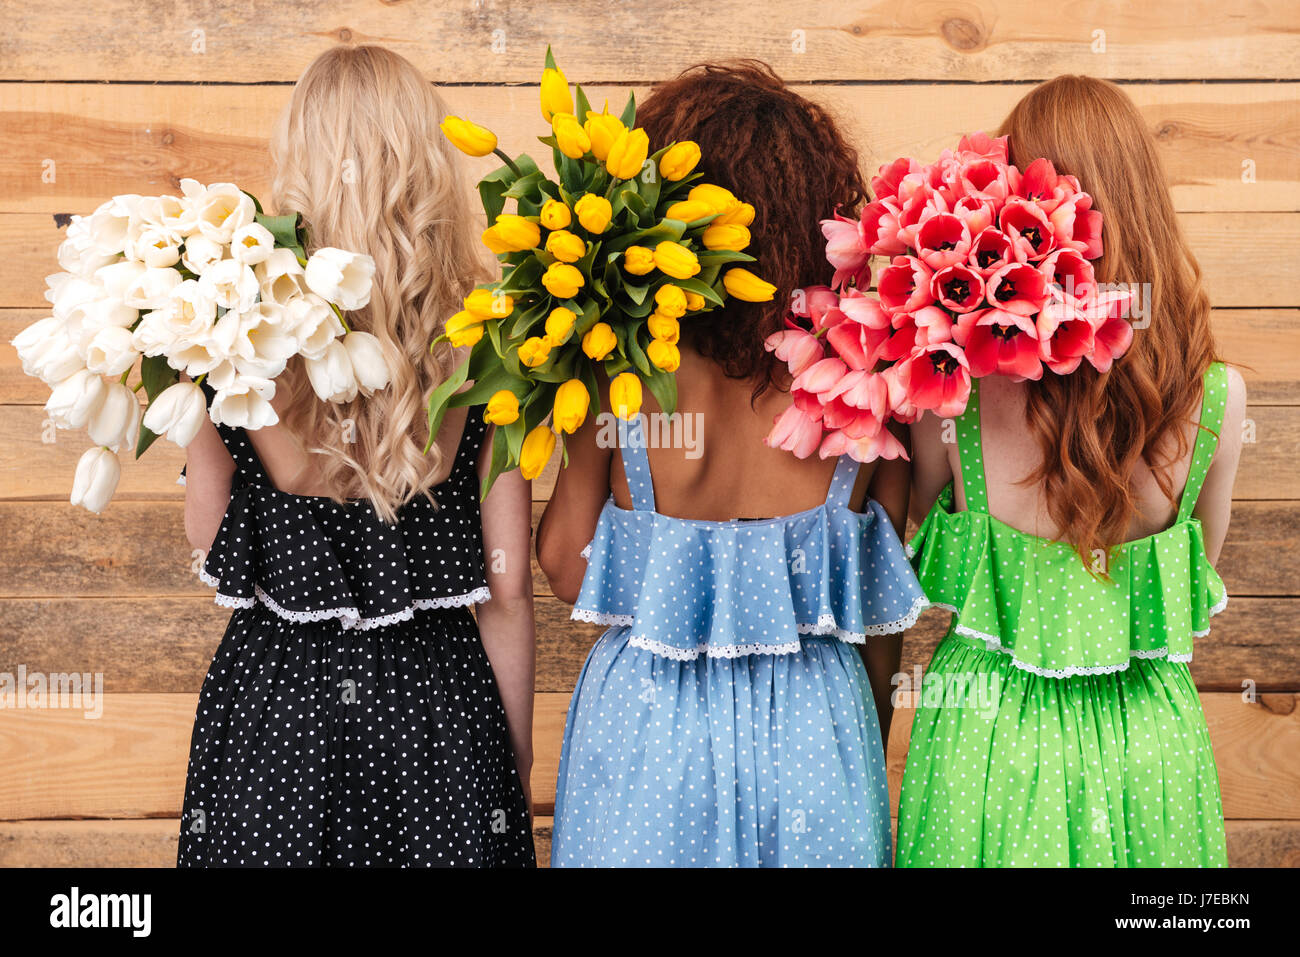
(990, 273)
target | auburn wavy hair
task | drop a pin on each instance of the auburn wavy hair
(780, 152)
(358, 153)
(1095, 429)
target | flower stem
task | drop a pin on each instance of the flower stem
(339, 312)
(509, 162)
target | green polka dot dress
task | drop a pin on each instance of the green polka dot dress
(1058, 725)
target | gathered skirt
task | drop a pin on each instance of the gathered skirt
(758, 760)
(319, 746)
(1011, 769)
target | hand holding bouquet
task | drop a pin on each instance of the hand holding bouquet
(204, 284)
(601, 266)
(990, 273)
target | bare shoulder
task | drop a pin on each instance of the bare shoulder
(1235, 410)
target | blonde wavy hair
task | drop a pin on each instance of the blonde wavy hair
(359, 154)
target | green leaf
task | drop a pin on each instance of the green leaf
(484, 388)
(628, 116)
(283, 228)
(439, 401)
(668, 229)
(632, 349)
(580, 104)
(716, 257)
(525, 187)
(523, 278)
(500, 460)
(550, 59)
(143, 440)
(156, 375)
(699, 288)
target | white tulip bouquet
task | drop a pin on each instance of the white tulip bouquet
(203, 284)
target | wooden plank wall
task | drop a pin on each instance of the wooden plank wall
(128, 97)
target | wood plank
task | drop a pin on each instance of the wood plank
(131, 761)
(149, 842)
(846, 39)
(141, 138)
(1263, 844)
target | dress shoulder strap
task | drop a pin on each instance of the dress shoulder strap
(636, 463)
(842, 482)
(1214, 399)
(970, 453)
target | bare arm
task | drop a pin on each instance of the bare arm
(209, 470)
(571, 515)
(506, 621)
(1214, 506)
(931, 467)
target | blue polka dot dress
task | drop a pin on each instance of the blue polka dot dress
(725, 718)
(350, 715)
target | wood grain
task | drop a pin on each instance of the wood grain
(131, 761)
(142, 138)
(845, 39)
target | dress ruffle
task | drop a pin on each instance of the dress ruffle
(293, 555)
(1034, 600)
(686, 588)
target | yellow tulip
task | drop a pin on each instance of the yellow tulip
(625, 394)
(688, 210)
(534, 350)
(664, 354)
(517, 233)
(565, 246)
(570, 136)
(743, 284)
(571, 402)
(558, 323)
(468, 137)
(555, 94)
(539, 445)
(670, 300)
(464, 329)
(493, 241)
(594, 213)
(562, 280)
(679, 160)
(502, 408)
(555, 215)
(718, 198)
(742, 214)
(489, 304)
(664, 328)
(694, 302)
(627, 155)
(676, 260)
(726, 236)
(599, 341)
(602, 129)
(638, 260)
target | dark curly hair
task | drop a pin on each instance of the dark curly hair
(786, 156)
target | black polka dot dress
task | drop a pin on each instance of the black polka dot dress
(350, 716)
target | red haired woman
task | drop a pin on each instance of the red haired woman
(1074, 527)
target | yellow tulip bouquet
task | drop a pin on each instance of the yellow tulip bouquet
(600, 267)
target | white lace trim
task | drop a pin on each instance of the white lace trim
(349, 617)
(824, 627)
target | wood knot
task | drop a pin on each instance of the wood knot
(1167, 131)
(345, 35)
(962, 34)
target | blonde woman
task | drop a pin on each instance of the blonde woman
(355, 713)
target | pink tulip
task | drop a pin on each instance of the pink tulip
(984, 179)
(1018, 288)
(984, 146)
(797, 348)
(1067, 270)
(1113, 333)
(858, 404)
(905, 285)
(879, 226)
(884, 185)
(942, 240)
(976, 213)
(932, 325)
(821, 375)
(900, 403)
(1077, 225)
(1065, 336)
(1040, 184)
(795, 432)
(866, 311)
(936, 377)
(882, 445)
(1028, 227)
(916, 209)
(1005, 343)
(990, 251)
(958, 288)
(845, 251)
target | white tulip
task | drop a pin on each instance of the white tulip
(200, 253)
(118, 276)
(96, 479)
(341, 277)
(174, 213)
(230, 284)
(111, 352)
(265, 336)
(177, 413)
(117, 420)
(65, 294)
(111, 222)
(222, 209)
(55, 359)
(187, 316)
(32, 338)
(87, 319)
(313, 323)
(331, 375)
(251, 244)
(77, 253)
(156, 246)
(74, 400)
(281, 276)
(245, 404)
(367, 357)
(151, 289)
